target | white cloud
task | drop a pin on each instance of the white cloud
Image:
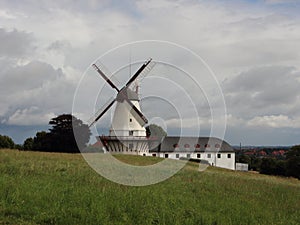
(30, 116)
(274, 121)
(281, 1)
(7, 15)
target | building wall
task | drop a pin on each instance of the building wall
(211, 157)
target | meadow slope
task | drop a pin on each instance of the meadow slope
(54, 188)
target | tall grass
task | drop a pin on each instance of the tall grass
(53, 188)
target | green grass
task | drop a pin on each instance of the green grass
(53, 188)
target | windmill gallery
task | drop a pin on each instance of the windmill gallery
(127, 134)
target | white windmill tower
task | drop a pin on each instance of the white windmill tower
(127, 133)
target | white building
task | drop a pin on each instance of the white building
(215, 151)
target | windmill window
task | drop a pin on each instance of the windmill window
(130, 120)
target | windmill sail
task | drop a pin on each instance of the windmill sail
(123, 94)
(100, 112)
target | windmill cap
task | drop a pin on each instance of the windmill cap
(131, 95)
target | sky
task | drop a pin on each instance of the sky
(252, 46)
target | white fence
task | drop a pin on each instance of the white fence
(241, 166)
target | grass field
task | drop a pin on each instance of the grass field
(53, 188)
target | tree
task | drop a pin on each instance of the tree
(268, 166)
(154, 130)
(28, 144)
(280, 168)
(68, 134)
(6, 142)
(255, 163)
(244, 159)
(293, 162)
(42, 142)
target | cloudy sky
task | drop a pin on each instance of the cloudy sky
(253, 47)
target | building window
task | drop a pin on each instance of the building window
(198, 156)
(144, 154)
(219, 156)
(209, 156)
(187, 146)
(197, 145)
(166, 155)
(131, 133)
(188, 155)
(228, 156)
(130, 120)
(207, 146)
(177, 156)
(176, 145)
(154, 155)
(217, 146)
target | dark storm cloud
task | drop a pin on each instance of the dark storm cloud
(33, 93)
(28, 77)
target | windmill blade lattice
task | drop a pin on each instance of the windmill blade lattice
(101, 112)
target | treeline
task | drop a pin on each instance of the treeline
(289, 166)
(67, 134)
(7, 142)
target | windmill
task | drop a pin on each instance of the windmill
(128, 121)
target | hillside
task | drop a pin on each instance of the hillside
(54, 188)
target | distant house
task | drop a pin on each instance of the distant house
(250, 153)
(262, 153)
(278, 153)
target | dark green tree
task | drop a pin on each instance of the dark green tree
(280, 168)
(68, 134)
(244, 159)
(268, 166)
(6, 142)
(154, 130)
(41, 141)
(28, 144)
(255, 163)
(293, 162)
